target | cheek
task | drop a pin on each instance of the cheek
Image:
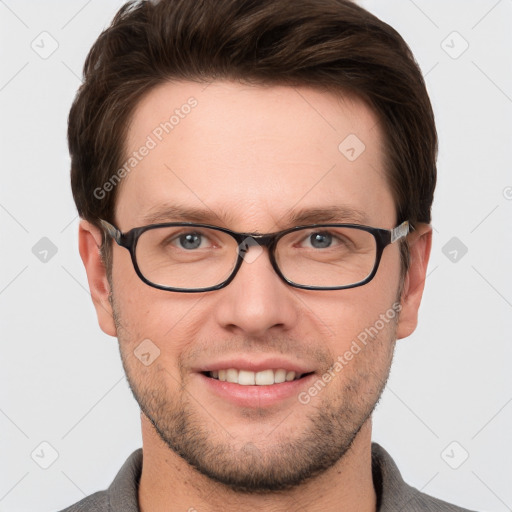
(341, 316)
(162, 324)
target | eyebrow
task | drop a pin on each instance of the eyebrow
(315, 215)
(327, 214)
(179, 213)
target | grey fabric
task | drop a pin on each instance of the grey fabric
(121, 496)
(393, 494)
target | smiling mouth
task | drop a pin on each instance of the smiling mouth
(249, 378)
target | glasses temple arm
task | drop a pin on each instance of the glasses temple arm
(400, 231)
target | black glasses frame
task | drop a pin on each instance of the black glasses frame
(128, 240)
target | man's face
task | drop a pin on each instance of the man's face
(249, 157)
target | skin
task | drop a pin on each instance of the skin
(250, 155)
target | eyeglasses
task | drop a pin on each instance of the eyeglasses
(188, 257)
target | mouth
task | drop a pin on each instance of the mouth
(267, 377)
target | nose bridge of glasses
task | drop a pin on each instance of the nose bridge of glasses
(257, 241)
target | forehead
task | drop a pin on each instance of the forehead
(251, 155)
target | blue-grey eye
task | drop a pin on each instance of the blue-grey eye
(320, 240)
(190, 240)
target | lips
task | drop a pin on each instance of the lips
(255, 396)
(246, 381)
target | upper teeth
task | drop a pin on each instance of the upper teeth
(248, 378)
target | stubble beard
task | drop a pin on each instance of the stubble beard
(291, 457)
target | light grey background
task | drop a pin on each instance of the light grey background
(62, 382)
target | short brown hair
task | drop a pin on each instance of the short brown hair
(333, 45)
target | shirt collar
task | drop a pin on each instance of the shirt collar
(392, 492)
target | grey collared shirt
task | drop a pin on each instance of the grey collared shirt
(393, 494)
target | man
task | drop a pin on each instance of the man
(255, 182)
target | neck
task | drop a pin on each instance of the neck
(170, 484)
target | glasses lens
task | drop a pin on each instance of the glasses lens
(325, 256)
(186, 257)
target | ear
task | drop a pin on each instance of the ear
(420, 243)
(89, 243)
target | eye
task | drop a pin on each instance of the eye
(183, 239)
(320, 240)
(190, 241)
(328, 239)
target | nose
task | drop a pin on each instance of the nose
(257, 300)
